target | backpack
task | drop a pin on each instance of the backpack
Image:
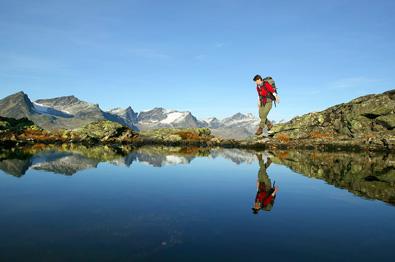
(270, 80)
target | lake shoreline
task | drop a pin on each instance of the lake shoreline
(24, 132)
(321, 146)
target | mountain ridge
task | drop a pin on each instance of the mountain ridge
(70, 112)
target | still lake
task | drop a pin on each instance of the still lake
(195, 204)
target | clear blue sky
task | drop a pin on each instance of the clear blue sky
(198, 55)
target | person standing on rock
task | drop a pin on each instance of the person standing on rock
(267, 93)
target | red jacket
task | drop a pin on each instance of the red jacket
(263, 91)
(264, 198)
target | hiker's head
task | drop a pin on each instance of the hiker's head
(255, 211)
(258, 79)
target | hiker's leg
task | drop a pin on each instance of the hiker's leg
(269, 124)
(263, 112)
(263, 176)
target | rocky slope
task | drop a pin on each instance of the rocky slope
(364, 122)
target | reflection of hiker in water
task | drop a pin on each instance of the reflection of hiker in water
(267, 93)
(266, 193)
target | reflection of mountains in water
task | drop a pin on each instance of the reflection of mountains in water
(70, 161)
(370, 176)
(66, 163)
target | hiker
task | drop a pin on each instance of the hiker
(266, 193)
(267, 93)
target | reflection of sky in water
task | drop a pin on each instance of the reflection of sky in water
(195, 211)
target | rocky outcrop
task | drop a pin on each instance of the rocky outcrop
(366, 122)
(23, 131)
(177, 136)
(103, 132)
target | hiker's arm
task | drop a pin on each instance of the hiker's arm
(273, 90)
(275, 191)
(277, 97)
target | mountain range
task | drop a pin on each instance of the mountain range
(69, 112)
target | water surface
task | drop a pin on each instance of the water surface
(179, 204)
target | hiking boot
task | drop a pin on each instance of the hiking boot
(269, 125)
(259, 131)
(265, 132)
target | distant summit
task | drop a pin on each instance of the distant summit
(160, 117)
(237, 126)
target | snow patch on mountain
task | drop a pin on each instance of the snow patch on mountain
(47, 110)
(174, 117)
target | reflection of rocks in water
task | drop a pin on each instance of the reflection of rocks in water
(235, 155)
(371, 176)
(15, 167)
